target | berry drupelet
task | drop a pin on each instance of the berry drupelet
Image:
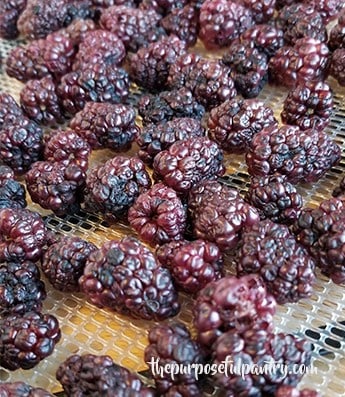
(67, 147)
(112, 188)
(63, 262)
(275, 198)
(126, 277)
(308, 105)
(26, 339)
(168, 105)
(218, 214)
(56, 186)
(173, 345)
(106, 125)
(232, 304)
(262, 10)
(149, 66)
(290, 391)
(9, 14)
(158, 215)
(10, 111)
(234, 123)
(221, 21)
(303, 156)
(187, 162)
(337, 66)
(21, 288)
(91, 375)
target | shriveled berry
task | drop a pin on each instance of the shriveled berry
(10, 111)
(262, 10)
(12, 194)
(163, 7)
(9, 14)
(328, 9)
(6, 174)
(11, 389)
(337, 33)
(78, 29)
(337, 66)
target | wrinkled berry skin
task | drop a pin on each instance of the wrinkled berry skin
(27, 339)
(23, 235)
(91, 375)
(158, 215)
(9, 14)
(10, 111)
(112, 188)
(337, 68)
(12, 194)
(232, 304)
(13, 389)
(63, 262)
(125, 276)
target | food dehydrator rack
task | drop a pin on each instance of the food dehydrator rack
(88, 329)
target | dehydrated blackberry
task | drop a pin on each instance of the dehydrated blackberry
(340, 190)
(56, 186)
(337, 34)
(96, 83)
(40, 102)
(262, 10)
(66, 147)
(209, 79)
(154, 138)
(21, 288)
(232, 304)
(125, 276)
(259, 348)
(134, 26)
(26, 339)
(187, 162)
(275, 198)
(78, 29)
(163, 7)
(91, 375)
(173, 345)
(10, 111)
(12, 194)
(11, 389)
(300, 155)
(337, 66)
(221, 21)
(165, 253)
(218, 214)
(308, 105)
(9, 14)
(21, 144)
(184, 23)
(158, 215)
(113, 187)
(307, 60)
(168, 105)
(6, 174)
(99, 46)
(328, 9)
(290, 391)
(234, 123)
(149, 66)
(63, 262)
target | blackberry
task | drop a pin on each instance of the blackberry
(21, 144)
(6, 174)
(340, 190)
(99, 46)
(64, 261)
(337, 66)
(96, 83)
(256, 348)
(113, 187)
(234, 123)
(40, 102)
(209, 79)
(300, 155)
(67, 147)
(221, 21)
(125, 276)
(10, 111)
(165, 253)
(271, 251)
(9, 14)
(187, 162)
(109, 3)
(134, 26)
(106, 125)
(163, 7)
(307, 60)
(56, 186)
(261, 10)
(12, 194)
(218, 214)
(26, 339)
(232, 304)
(308, 105)
(290, 391)
(78, 29)
(328, 9)
(337, 33)
(265, 37)
(11, 389)
(149, 66)
(173, 345)
(21, 288)
(158, 215)
(275, 198)
(91, 375)
(168, 105)
(154, 138)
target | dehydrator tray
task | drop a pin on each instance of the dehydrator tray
(88, 329)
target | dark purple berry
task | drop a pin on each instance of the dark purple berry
(12, 192)
(328, 9)
(78, 29)
(9, 13)
(125, 276)
(337, 66)
(6, 174)
(10, 111)
(337, 33)
(16, 389)
(262, 10)
(290, 391)
(163, 7)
